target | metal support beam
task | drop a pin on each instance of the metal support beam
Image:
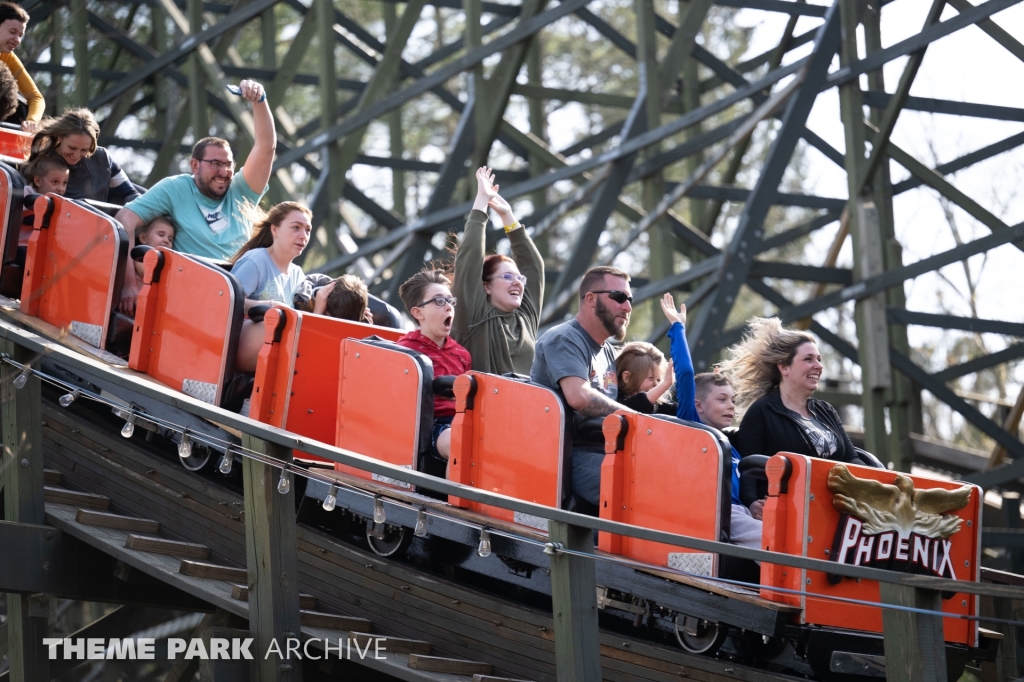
(80, 35)
(574, 605)
(271, 550)
(710, 319)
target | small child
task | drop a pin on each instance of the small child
(428, 298)
(159, 232)
(46, 174)
(643, 379)
(708, 398)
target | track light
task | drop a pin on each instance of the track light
(378, 510)
(226, 461)
(68, 398)
(22, 379)
(129, 427)
(484, 548)
(284, 484)
(331, 501)
(185, 446)
(421, 524)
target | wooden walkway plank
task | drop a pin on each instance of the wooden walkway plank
(76, 498)
(455, 666)
(306, 601)
(107, 520)
(332, 621)
(199, 569)
(491, 678)
(52, 477)
(190, 550)
(395, 645)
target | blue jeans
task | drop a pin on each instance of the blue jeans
(586, 472)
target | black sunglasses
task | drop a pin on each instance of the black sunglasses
(617, 296)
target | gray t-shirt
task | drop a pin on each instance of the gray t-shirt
(262, 281)
(569, 351)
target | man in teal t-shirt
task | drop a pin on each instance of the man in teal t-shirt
(208, 206)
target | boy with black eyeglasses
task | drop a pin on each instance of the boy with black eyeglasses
(428, 298)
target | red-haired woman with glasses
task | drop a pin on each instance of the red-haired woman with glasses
(499, 297)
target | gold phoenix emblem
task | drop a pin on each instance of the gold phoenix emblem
(897, 507)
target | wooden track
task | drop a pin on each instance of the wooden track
(398, 599)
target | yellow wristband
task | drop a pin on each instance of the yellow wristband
(509, 228)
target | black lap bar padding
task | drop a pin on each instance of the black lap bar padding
(258, 312)
(138, 254)
(591, 429)
(444, 386)
(753, 465)
(867, 459)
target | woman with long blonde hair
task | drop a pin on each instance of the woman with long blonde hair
(776, 371)
(94, 175)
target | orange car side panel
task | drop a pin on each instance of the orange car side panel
(15, 144)
(380, 399)
(297, 378)
(509, 443)
(808, 502)
(70, 271)
(183, 324)
(684, 466)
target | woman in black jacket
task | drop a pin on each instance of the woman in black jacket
(775, 371)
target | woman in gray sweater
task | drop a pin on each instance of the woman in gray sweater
(499, 297)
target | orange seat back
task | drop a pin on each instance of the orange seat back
(188, 318)
(800, 518)
(662, 473)
(386, 405)
(74, 268)
(298, 371)
(508, 437)
(12, 190)
(15, 145)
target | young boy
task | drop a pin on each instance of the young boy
(159, 232)
(428, 298)
(46, 174)
(707, 398)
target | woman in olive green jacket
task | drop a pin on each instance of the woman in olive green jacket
(499, 297)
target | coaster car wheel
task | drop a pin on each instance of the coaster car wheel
(700, 636)
(387, 540)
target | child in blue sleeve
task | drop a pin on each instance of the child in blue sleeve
(707, 398)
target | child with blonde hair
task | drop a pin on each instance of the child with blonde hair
(644, 378)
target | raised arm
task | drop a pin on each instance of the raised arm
(261, 159)
(469, 263)
(686, 391)
(531, 264)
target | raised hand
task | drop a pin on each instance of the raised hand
(668, 306)
(487, 196)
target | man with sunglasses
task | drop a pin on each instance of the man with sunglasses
(577, 360)
(208, 204)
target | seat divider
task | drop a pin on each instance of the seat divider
(145, 314)
(612, 474)
(461, 454)
(31, 288)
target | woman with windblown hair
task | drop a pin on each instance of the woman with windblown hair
(499, 297)
(775, 371)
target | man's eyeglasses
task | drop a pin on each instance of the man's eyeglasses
(511, 277)
(219, 165)
(440, 301)
(617, 296)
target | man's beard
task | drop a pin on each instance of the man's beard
(207, 191)
(607, 318)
